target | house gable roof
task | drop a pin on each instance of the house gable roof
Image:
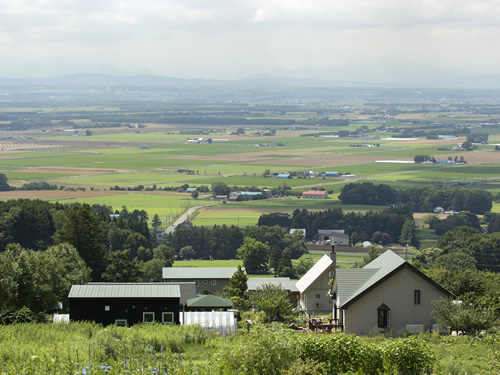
(321, 266)
(125, 290)
(209, 300)
(190, 273)
(375, 273)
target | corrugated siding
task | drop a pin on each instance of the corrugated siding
(124, 291)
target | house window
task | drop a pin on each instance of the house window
(383, 318)
(213, 282)
(107, 308)
(197, 282)
(416, 297)
(205, 282)
(167, 318)
(148, 317)
(318, 296)
(121, 322)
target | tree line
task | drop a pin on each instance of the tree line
(422, 199)
(383, 227)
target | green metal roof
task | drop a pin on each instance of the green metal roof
(209, 300)
(356, 282)
(352, 284)
(125, 290)
(349, 280)
(196, 273)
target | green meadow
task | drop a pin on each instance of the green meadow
(113, 157)
(161, 204)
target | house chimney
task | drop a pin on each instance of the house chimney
(333, 256)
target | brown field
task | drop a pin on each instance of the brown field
(62, 194)
(6, 148)
(53, 194)
(71, 171)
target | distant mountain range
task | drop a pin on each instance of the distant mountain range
(322, 78)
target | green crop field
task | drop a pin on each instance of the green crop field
(161, 204)
(112, 156)
(31, 176)
(219, 217)
(129, 179)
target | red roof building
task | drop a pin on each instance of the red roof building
(314, 194)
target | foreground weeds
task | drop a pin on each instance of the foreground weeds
(87, 348)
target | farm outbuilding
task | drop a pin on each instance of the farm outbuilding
(314, 194)
(213, 279)
(125, 304)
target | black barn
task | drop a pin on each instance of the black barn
(125, 303)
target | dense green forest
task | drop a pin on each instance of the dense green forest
(421, 199)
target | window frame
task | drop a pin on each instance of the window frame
(148, 313)
(383, 316)
(417, 296)
(118, 321)
(164, 321)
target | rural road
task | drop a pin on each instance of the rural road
(184, 217)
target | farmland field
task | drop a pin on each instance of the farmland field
(158, 154)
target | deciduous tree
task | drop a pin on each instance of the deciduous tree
(254, 255)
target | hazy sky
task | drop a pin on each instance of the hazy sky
(240, 38)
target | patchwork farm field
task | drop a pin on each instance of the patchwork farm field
(160, 155)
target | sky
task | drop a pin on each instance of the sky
(229, 39)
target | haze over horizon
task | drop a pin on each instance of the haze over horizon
(363, 40)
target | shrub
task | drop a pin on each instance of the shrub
(261, 353)
(410, 355)
(341, 353)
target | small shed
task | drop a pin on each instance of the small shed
(125, 304)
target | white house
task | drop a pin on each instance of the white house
(314, 286)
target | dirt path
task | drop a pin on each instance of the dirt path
(185, 216)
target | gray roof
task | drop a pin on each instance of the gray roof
(321, 266)
(349, 280)
(287, 284)
(332, 233)
(353, 282)
(125, 290)
(196, 273)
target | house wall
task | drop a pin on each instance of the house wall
(204, 284)
(325, 196)
(398, 294)
(317, 293)
(132, 309)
